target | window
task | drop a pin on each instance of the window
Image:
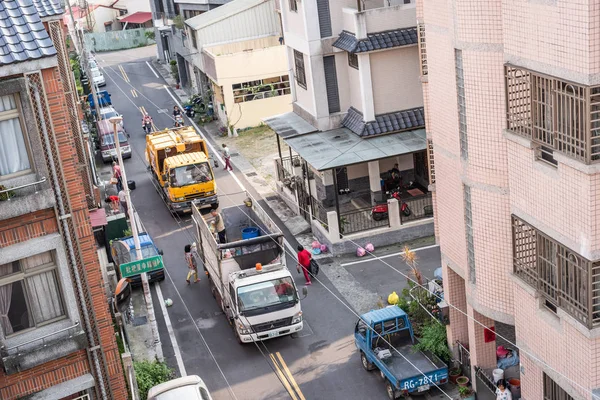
(431, 161)
(30, 294)
(331, 84)
(324, 18)
(14, 157)
(300, 74)
(563, 278)
(361, 328)
(192, 34)
(353, 60)
(462, 112)
(187, 14)
(469, 233)
(407, 1)
(294, 5)
(261, 89)
(554, 392)
(422, 48)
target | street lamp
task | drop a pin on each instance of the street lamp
(136, 240)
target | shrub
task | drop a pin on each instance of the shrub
(150, 35)
(149, 374)
(433, 338)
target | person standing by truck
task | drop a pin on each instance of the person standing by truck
(191, 262)
(219, 225)
(227, 157)
(304, 258)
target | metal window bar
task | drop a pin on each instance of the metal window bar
(469, 233)
(555, 114)
(12, 189)
(299, 64)
(422, 48)
(462, 112)
(487, 380)
(431, 161)
(565, 279)
(552, 391)
(71, 329)
(464, 358)
(360, 220)
(319, 213)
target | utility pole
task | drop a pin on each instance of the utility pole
(136, 240)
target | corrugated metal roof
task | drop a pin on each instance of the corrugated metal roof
(222, 12)
(22, 34)
(48, 8)
(383, 314)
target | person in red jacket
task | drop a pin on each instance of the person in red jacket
(304, 258)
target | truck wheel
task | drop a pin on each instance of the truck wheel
(391, 391)
(367, 365)
(214, 206)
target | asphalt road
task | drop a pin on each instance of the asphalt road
(321, 362)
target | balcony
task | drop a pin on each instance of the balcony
(44, 349)
(161, 19)
(556, 115)
(564, 279)
(28, 194)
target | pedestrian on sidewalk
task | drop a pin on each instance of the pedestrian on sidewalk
(123, 202)
(227, 157)
(114, 203)
(191, 262)
(304, 258)
(219, 225)
(117, 175)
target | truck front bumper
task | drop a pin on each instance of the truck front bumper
(284, 330)
(186, 206)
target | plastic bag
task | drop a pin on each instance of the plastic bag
(370, 248)
(393, 298)
(360, 252)
(316, 245)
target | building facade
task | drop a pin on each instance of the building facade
(357, 127)
(512, 113)
(56, 334)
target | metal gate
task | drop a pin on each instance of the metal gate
(304, 203)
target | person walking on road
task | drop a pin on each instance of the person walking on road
(191, 262)
(123, 202)
(304, 258)
(219, 225)
(117, 175)
(227, 157)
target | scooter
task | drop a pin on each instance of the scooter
(380, 211)
(178, 121)
(189, 111)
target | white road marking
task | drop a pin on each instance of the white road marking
(214, 151)
(152, 69)
(163, 307)
(172, 232)
(387, 256)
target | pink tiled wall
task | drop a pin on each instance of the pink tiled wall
(479, 21)
(454, 287)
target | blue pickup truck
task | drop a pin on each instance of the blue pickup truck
(385, 341)
(123, 251)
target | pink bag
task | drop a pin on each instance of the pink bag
(316, 245)
(360, 252)
(370, 248)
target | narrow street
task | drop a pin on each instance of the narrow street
(321, 362)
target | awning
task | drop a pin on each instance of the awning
(289, 125)
(341, 147)
(140, 17)
(98, 218)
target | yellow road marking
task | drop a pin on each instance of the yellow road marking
(291, 377)
(125, 77)
(134, 93)
(282, 378)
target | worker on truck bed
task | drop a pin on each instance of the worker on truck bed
(219, 225)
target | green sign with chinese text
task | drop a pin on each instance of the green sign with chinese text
(137, 267)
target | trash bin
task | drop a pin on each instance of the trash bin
(131, 184)
(251, 232)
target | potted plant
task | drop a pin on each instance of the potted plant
(466, 393)
(454, 373)
(462, 381)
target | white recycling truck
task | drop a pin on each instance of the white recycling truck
(248, 276)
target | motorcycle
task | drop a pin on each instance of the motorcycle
(380, 211)
(178, 121)
(189, 111)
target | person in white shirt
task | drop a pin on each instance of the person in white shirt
(123, 201)
(502, 392)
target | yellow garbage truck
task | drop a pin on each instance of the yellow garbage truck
(179, 161)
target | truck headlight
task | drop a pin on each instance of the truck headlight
(297, 318)
(244, 330)
(210, 193)
(179, 198)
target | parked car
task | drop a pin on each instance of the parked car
(109, 112)
(98, 78)
(189, 388)
(106, 137)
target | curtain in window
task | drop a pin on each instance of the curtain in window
(44, 296)
(5, 297)
(13, 153)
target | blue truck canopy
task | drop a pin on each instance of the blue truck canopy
(382, 314)
(103, 99)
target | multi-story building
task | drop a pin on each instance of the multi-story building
(56, 334)
(512, 107)
(357, 117)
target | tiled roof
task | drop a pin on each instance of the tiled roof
(22, 34)
(376, 41)
(384, 123)
(48, 8)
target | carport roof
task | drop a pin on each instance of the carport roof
(341, 147)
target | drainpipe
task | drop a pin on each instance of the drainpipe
(63, 219)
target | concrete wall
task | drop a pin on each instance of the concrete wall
(395, 77)
(117, 40)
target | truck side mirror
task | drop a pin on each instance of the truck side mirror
(164, 177)
(304, 292)
(160, 252)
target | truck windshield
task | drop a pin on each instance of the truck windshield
(147, 251)
(267, 296)
(191, 174)
(109, 140)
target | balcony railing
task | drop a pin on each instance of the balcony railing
(555, 114)
(420, 207)
(565, 279)
(360, 220)
(42, 341)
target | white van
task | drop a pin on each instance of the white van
(97, 77)
(186, 388)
